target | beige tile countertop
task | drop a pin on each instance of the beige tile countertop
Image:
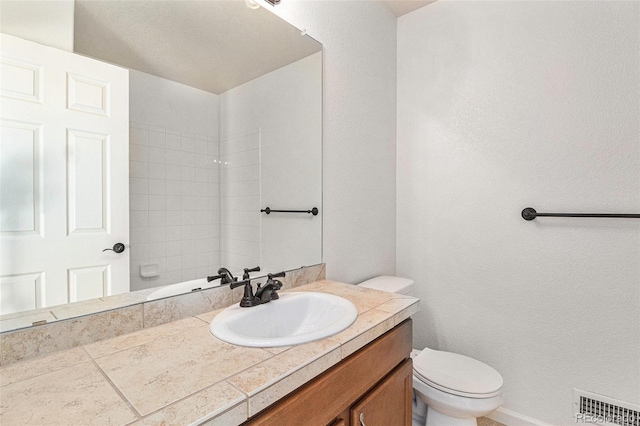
(178, 373)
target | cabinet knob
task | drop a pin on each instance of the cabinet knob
(362, 419)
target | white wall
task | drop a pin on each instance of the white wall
(279, 117)
(164, 103)
(501, 106)
(359, 126)
(47, 22)
(174, 191)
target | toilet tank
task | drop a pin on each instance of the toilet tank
(391, 284)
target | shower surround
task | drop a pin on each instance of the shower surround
(174, 181)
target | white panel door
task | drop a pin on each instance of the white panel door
(64, 176)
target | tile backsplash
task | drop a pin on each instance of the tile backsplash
(44, 339)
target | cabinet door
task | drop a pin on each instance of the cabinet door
(389, 403)
(327, 398)
(342, 419)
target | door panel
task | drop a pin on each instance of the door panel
(87, 182)
(21, 291)
(64, 181)
(20, 178)
(21, 80)
(88, 95)
(88, 283)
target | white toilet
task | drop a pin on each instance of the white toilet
(455, 388)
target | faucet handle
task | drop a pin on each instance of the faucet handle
(246, 274)
(278, 275)
(227, 276)
(248, 299)
(214, 277)
(235, 284)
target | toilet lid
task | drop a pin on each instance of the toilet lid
(457, 372)
(390, 284)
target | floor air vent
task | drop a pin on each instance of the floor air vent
(591, 408)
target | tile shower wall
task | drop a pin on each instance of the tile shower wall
(240, 200)
(174, 205)
(174, 181)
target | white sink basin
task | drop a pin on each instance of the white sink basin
(293, 319)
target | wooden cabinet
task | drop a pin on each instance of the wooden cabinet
(389, 403)
(375, 381)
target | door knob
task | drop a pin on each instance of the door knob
(117, 247)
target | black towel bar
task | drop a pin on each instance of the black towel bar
(268, 210)
(530, 213)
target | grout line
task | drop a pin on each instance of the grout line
(189, 396)
(143, 315)
(53, 370)
(155, 339)
(246, 397)
(197, 317)
(87, 352)
(237, 373)
(289, 373)
(124, 398)
(222, 413)
(239, 390)
(319, 273)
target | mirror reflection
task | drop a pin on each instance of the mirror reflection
(162, 126)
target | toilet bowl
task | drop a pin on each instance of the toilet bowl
(449, 389)
(456, 389)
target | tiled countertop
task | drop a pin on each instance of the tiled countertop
(178, 373)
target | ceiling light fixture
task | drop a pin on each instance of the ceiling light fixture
(251, 4)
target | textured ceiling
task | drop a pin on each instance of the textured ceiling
(210, 45)
(402, 7)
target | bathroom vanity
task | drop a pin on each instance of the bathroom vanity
(178, 373)
(374, 385)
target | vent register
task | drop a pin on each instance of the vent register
(592, 408)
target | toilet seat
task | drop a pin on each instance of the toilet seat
(457, 374)
(455, 392)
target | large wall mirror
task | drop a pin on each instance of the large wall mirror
(166, 126)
